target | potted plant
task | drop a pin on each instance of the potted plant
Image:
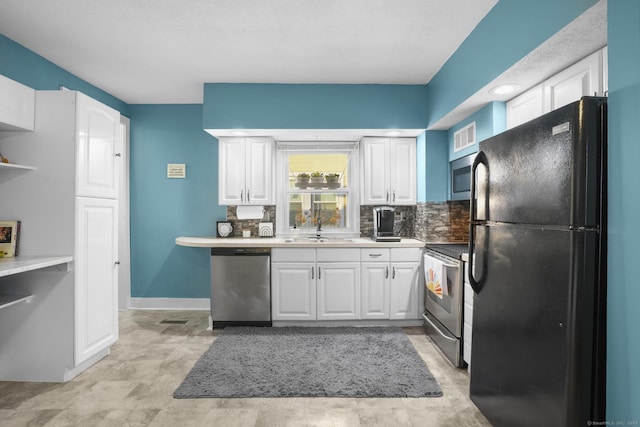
(332, 178)
(302, 179)
(317, 177)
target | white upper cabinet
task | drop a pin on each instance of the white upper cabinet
(245, 171)
(98, 133)
(583, 78)
(388, 171)
(525, 107)
(17, 105)
(587, 77)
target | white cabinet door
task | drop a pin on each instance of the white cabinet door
(375, 174)
(402, 171)
(96, 287)
(581, 79)
(231, 171)
(525, 107)
(97, 132)
(404, 291)
(389, 171)
(375, 278)
(245, 171)
(338, 287)
(17, 105)
(293, 287)
(259, 181)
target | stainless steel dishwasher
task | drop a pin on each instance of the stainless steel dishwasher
(241, 287)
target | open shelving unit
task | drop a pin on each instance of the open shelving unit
(16, 265)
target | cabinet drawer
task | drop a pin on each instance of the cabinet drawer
(338, 254)
(406, 254)
(374, 254)
(293, 255)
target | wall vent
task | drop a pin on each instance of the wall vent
(465, 137)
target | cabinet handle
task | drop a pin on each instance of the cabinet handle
(394, 273)
(319, 273)
(117, 263)
(312, 274)
(248, 197)
(394, 196)
(387, 198)
(118, 155)
(242, 195)
(386, 272)
(374, 255)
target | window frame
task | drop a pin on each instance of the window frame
(283, 228)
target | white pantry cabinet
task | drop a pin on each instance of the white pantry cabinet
(72, 319)
(388, 171)
(245, 171)
(17, 105)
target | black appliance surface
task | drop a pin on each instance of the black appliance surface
(538, 235)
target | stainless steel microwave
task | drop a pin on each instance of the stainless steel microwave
(460, 178)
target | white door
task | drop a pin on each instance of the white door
(581, 79)
(375, 176)
(375, 290)
(97, 132)
(96, 289)
(402, 171)
(259, 152)
(404, 294)
(293, 291)
(338, 288)
(231, 171)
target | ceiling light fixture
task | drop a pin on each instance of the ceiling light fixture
(504, 89)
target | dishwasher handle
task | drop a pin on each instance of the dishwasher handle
(240, 251)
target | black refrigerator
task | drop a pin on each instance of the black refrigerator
(537, 243)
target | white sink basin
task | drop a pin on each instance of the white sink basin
(319, 240)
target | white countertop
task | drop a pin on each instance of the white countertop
(281, 242)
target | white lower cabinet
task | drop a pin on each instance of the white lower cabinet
(293, 290)
(338, 290)
(345, 284)
(403, 294)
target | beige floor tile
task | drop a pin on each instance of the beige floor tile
(134, 386)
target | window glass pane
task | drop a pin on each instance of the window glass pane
(306, 209)
(316, 171)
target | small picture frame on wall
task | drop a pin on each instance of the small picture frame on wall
(224, 229)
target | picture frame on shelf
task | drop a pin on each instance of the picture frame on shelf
(9, 238)
(224, 229)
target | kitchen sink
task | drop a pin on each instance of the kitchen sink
(319, 240)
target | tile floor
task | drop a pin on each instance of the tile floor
(133, 386)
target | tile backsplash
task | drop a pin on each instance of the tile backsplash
(428, 221)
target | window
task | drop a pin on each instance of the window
(317, 186)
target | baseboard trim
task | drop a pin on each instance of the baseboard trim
(170, 303)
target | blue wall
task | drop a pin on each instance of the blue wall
(623, 376)
(308, 106)
(30, 69)
(507, 33)
(490, 120)
(163, 209)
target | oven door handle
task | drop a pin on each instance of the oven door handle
(448, 338)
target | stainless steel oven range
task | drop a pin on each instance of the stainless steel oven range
(444, 299)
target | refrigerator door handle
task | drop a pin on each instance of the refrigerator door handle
(481, 158)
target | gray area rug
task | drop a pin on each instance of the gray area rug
(300, 361)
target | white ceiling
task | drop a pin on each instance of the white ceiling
(162, 51)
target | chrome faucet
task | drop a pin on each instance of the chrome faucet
(318, 228)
